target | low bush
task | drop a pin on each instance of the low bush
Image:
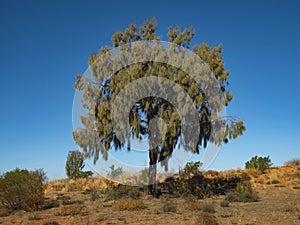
(208, 207)
(22, 189)
(192, 205)
(122, 191)
(224, 203)
(242, 193)
(94, 194)
(169, 207)
(206, 219)
(134, 193)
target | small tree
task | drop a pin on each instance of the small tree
(22, 189)
(261, 163)
(75, 164)
(115, 173)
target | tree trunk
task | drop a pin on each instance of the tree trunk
(153, 156)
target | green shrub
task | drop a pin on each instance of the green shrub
(94, 193)
(75, 164)
(191, 168)
(224, 203)
(134, 193)
(22, 189)
(169, 207)
(261, 163)
(208, 207)
(242, 193)
(122, 191)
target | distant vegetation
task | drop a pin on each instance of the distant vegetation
(261, 163)
(293, 162)
(75, 164)
(189, 190)
(115, 172)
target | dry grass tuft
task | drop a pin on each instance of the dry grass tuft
(253, 172)
(192, 205)
(129, 204)
(71, 210)
(169, 207)
(293, 162)
(206, 219)
(4, 212)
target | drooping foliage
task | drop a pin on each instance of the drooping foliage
(97, 97)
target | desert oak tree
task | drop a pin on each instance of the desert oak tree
(97, 98)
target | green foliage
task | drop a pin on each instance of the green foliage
(189, 183)
(75, 164)
(261, 163)
(97, 98)
(208, 207)
(95, 194)
(122, 191)
(224, 203)
(242, 193)
(191, 169)
(115, 173)
(85, 174)
(134, 193)
(22, 189)
(169, 207)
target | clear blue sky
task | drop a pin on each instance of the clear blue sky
(43, 44)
